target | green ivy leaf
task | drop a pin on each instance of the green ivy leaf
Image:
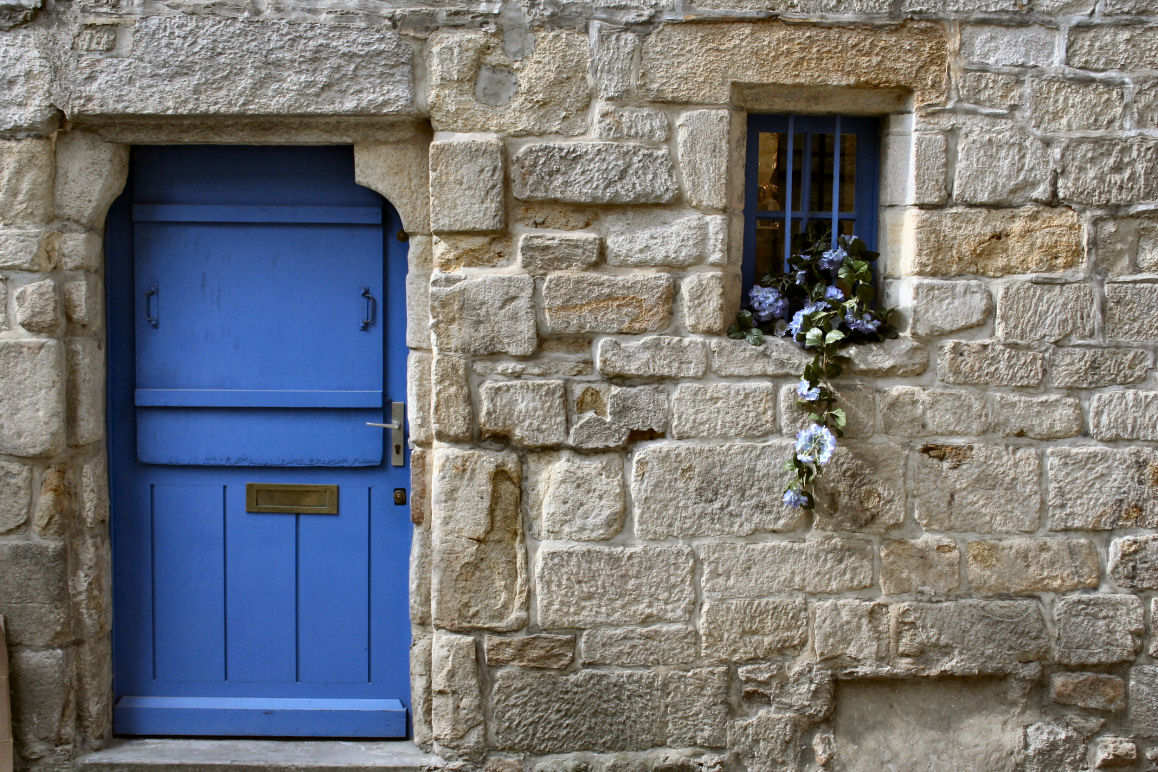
(833, 337)
(839, 417)
(755, 336)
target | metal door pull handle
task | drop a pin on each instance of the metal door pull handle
(152, 299)
(397, 428)
(384, 426)
(370, 305)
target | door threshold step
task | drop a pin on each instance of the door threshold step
(185, 755)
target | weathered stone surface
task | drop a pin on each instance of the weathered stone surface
(723, 410)
(483, 314)
(987, 488)
(1134, 562)
(666, 239)
(970, 636)
(1096, 691)
(32, 398)
(477, 86)
(709, 490)
(1024, 162)
(530, 413)
(740, 358)
(640, 408)
(767, 740)
(543, 253)
(572, 496)
(1145, 112)
(421, 697)
(1144, 700)
(34, 593)
(41, 694)
(929, 565)
(1098, 629)
(90, 173)
(594, 432)
(1106, 47)
(1130, 311)
(857, 400)
(15, 495)
(736, 630)
(1041, 418)
(863, 488)
(909, 56)
(940, 307)
(658, 356)
(575, 303)
(1091, 368)
(851, 633)
(1009, 46)
(640, 646)
(898, 356)
(1051, 746)
(452, 415)
(1115, 752)
(1045, 312)
(38, 307)
(479, 561)
(709, 301)
(466, 185)
(643, 123)
(85, 358)
(586, 586)
(205, 65)
(80, 300)
(991, 364)
(915, 411)
(930, 169)
(26, 168)
(457, 719)
(1101, 171)
(388, 168)
(24, 250)
(1021, 566)
(613, 56)
(591, 710)
(593, 173)
(989, 89)
(1102, 488)
(994, 242)
(704, 151)
(697, 703)
(1124, 415)
(25, 85)
(453, 252)
(541, 650)
(826, 564)
(1056, 105)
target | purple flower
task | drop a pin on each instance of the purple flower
(815, 445)
(807, 394)
(830, 261)
(861, 323)
(834, 293)
(802, 277)
(795, 498)
(767, 303)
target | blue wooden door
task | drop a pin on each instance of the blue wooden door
(255, 328)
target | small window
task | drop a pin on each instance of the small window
(807, 170)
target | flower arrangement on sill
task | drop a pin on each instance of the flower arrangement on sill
(823, 302)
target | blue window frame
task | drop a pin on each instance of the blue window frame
(802, 170)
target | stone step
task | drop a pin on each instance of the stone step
(265, 755)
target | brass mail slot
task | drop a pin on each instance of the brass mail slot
(291, 499)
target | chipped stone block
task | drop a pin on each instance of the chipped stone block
(593, 173)
(709, 302)
(930, 169)
(1130, 311)
(25, 250)
(640, 646)
(15, 495)
(1045, 312)
(613, 61)
(452, 415)
(90, 173)
(457, 719)
(1098, 629)
(639, 408)
(26, 106)
(466, 185)
(863, 488)
(643, 123)
(1133, 563)
(1040, 418)
(970, 636)
(642, 239)
(915, 411)
(38, 307)
(986, 488)
(588, 586)
(897, 357)
(698, 707)
(826, 564)
(541, 650)
(658, 356)
(572, 496)
(1144, 700)
(484, 314)
(578, 303)
(709, 490)
(723, 410)
(1124, 415)
(740, 358)
(989, 89)
(941, 307)
(543, 253)
(1100, 171)
(990, 364)
(1051, 746)
(1020, 566)
(851, 633)
(736, 630)
(705, 155)
(1008, 46)
(766, 740)
(26, 169)
(34, 594)
(1061, 105)
(1111, 47)
(32, 397)
(1115, 752)
(1023, 159)
(85, 404)
(929, 565)
(453, 252)
(530, 413)
(81, 301)
(1081, 368)
(594, 432)
(1095, 691)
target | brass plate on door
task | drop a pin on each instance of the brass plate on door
(291, 499)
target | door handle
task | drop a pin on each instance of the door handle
(369, 306)
(152, 299)
(397, 427)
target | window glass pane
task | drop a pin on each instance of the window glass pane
(848, 172)
(847, 227)
(771, 183)
(769, 247)
(820, 189)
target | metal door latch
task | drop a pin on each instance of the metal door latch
(397, 427)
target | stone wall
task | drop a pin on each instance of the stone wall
(603, 576)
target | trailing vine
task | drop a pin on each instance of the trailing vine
(823, 302)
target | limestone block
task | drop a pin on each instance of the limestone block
(1091, 368)
(1045, 312)
(709, 490)
(15, 494)
(479, 561)
(25, 86)
(1115, 752)
(709, 302)
(453, 252)
(1009, 46)
(639, 408)
(930, 169)
(483, 314)
(593, 173)
(863, 488)
(736, 630)
(25, 250)
(542, 650)
(421, 688)
(543, 253)
(457, 719)
(90, 173)
(613, 61)
(698, 706)
(1057, 105)
(857, 400)
(421, 557)
(986, 488)
(851, 632)
(572, 496)
(994, 242)
(723, 410)
(530, 413)
(34, 592)
(740, 358)
(928, 565)
(986, 363)
(452, 415)
(1024, 162)
(86, 393)
(909, 56)
(1124, 415)
(1041, 418)
(915, 411)
(466, 185)
(32, 397)
(643, 123)
(1115, 171)
(419, 397)
(666, 239)
(1020, 566)
(214, 66)
(1144, 700)
(1051, 746)
(989, 89)
(1130, 311)
(657, 356)
(55, 504)
(395, 170)
(940, 307)
(1095, 691)
(970, 636)
(640, 646)
(897, 356)
(1145, 112)
(590, 710)
(81, 301)
(1109, 47)
(26, 169)
(38, 307)
(767, 740)
(705, 155)
(588, 585)
(588, 302)
(826, 564)
(1133, 562)
(1102, 488)
(42, 693)
(594, 432)
(1098, 629)
(77, 251)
